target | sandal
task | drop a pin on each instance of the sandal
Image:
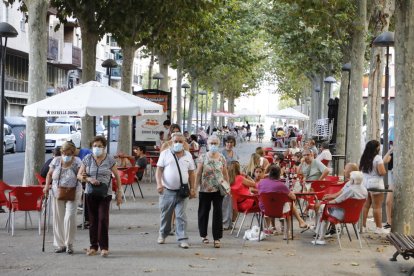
(104, 253)
(91, 252)
(205, 240)
(217, 244)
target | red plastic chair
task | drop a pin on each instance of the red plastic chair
(273, 207)
(128, 179)
(236, 199)
(40, 179)
(266, 150)
(352, 209)
(325, 162)
(138, 180)
(269, 158)
(5, 189)
(320, 188)
(26, 199)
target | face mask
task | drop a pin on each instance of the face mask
(97, 151)
(178, 147)
(214, 148)
(66, 158)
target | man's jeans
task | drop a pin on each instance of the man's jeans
(170, 201)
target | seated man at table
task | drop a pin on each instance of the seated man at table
(355, 190)
(350, 167)
(311, 168)
(140, 160)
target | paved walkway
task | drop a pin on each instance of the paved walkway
(134, 251)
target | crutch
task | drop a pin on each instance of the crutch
(44, 222)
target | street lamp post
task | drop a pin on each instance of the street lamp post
(158, 77)
(109, 64)
(347, 68)
(185, 86)
(385, 39)
(6, 31)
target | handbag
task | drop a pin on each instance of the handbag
(65, 193)
(100, 190)
(224, 188)
(184, 190)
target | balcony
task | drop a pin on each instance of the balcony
(72, 56)
(16, 85)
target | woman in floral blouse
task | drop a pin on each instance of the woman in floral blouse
(211, 172)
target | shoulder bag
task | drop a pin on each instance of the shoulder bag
(65, 193)
(100, 190)
(184, 190)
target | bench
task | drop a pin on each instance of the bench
(404, 245)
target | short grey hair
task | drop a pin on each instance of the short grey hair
(177, 134)
(213, 138)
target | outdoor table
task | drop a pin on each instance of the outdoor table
(335, 163)
(304, 194)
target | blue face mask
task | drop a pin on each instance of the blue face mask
(66, 158)
(177, 147)
(214, 148)
(97, 151)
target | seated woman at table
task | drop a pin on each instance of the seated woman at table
(293, 148)
(354, 190)
(240, 184)
(273, 177)
(273, 184)
(263, 162)
(255, 162)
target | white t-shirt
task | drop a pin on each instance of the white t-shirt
(325, 155)
(170, 176)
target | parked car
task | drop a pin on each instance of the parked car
(9, 140)
(57, 134)
(75, 122)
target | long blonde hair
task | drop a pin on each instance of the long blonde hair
(253, 162)
(233, 170)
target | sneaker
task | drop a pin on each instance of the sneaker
(380, 231)
(330, 233)
(184, 245)
(364, 229)
(318, 242)
(387, 226)
(161, 240)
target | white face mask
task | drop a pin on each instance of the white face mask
(97, 151)
(66, 158)
(178, 147)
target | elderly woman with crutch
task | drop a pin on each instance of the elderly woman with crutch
(66, 192)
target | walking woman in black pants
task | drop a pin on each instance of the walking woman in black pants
(211, 171)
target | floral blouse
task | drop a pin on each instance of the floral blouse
(212, 174)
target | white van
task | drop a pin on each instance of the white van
(75, 122)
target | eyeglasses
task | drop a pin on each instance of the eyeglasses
(213, 143)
